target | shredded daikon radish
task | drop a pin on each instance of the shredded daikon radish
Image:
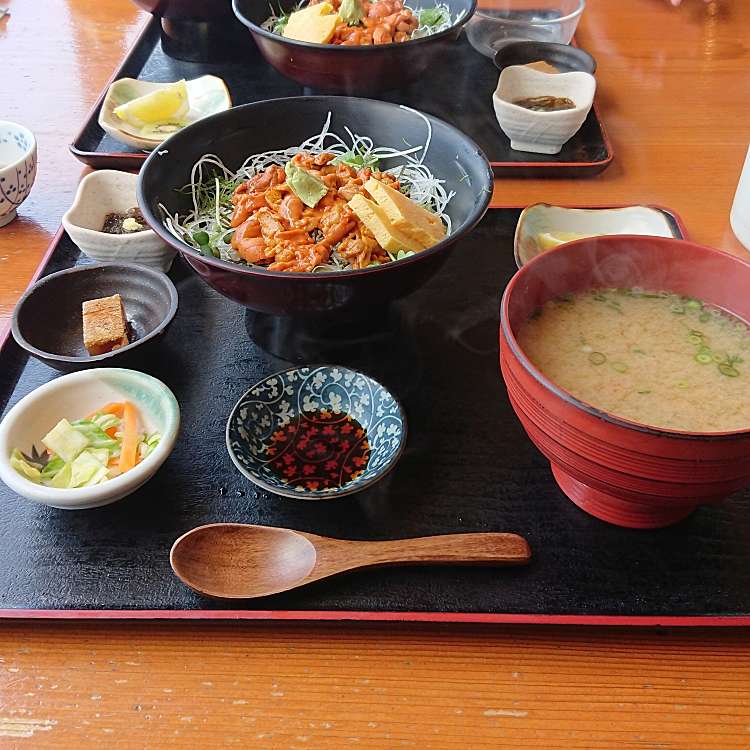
(207, 227)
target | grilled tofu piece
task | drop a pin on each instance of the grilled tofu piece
(105, 327)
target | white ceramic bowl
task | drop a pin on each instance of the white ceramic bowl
(541, 132)
(207, 95)
(73, 396)
(17, 168)
(584, 222)
(106, 191)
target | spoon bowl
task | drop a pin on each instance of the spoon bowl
(243, 561)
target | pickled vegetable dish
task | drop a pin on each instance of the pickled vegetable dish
(656, 358)
(88, 451)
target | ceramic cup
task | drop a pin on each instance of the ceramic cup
(17, 168)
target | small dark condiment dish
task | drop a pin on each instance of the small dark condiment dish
(47, 321)
(564, 57)
(353, 70)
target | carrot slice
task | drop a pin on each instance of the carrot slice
(111, 431)
(114, 408)
(129, 447)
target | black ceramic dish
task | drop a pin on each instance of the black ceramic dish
(353, 70)
(563, 56)
(47, 320)
(278, 124)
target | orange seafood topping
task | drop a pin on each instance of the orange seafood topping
(384, 22)
(275, 229)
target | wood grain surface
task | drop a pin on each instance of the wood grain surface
(674, 91)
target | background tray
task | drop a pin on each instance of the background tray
(468, 466)
(461, 95)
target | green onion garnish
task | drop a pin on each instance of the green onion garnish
(726, 369)
(703, 358)
(597, 358)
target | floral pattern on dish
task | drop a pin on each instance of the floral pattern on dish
(290, 402)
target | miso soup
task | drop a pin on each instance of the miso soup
(651, 357)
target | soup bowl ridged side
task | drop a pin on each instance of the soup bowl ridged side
(620, 471)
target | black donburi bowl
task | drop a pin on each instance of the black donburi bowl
(353, 70)
(279, 124)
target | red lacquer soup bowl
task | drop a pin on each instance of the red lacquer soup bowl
(626, 473)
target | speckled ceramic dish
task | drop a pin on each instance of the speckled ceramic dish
(103, 192)
(73, 396)
(316, 432)
(207, 95)
(541, 132)
(17, 168)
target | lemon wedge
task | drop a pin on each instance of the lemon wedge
(165, 104)
(548, 240)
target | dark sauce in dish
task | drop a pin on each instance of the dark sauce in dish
(546, 103)
(114, 223)
(320, 450)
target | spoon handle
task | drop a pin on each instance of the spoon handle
(449, 549)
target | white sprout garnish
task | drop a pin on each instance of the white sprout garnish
(207, 227)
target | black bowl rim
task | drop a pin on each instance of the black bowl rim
(97, 358)
(335, 494)
(545, 45)
(158, 226)
(355, 49)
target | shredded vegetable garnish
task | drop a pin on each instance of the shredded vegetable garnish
(207, 227)
(88, 451)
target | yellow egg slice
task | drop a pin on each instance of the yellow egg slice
(165, 104)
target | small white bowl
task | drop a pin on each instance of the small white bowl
(17, 168)
(207, 95)
(541, 132)
(585, 222)
(73, 396)
(100, 193)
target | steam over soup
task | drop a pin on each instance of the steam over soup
(650, 357)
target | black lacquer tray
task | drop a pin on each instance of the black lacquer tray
(460, 93)
(468, 466)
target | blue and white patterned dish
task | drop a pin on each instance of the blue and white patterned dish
(291, 396)
(17, 168)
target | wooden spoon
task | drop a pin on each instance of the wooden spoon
(240, 561)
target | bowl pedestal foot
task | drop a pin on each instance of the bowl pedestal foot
(616, 510)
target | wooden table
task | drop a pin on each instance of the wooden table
(674, 90)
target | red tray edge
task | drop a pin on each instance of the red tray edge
(355, 616)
